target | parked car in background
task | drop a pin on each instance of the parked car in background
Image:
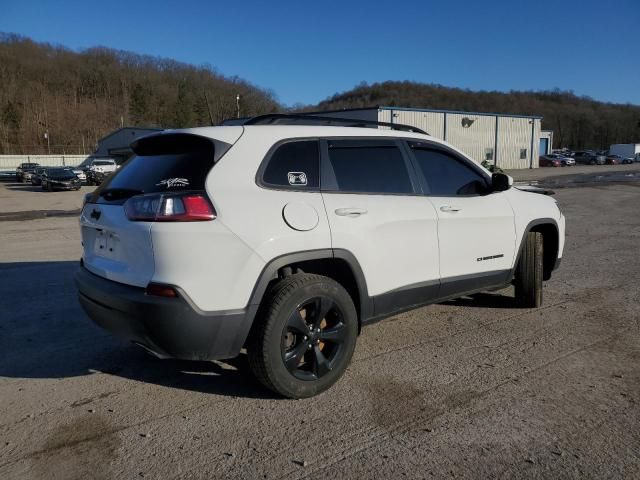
(80, 174)
(96, 177)
(549, 161)
(589, 157)
(36, 177)
(60, 178)
(614, 160)
(106, 165)
(24, 171)
(565, 161)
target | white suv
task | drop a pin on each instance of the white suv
(285, 239)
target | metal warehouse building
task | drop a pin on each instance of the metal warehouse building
(508, 141)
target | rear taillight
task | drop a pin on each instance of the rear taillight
(163, 207)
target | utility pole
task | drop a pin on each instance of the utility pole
(238, 104)
(46, 135)
(206, 99)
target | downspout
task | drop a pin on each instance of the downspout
(445, 127)
(533, 125)
(495, 148)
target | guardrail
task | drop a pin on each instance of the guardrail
(10, 162)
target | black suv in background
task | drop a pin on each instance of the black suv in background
(589, 157)
(25, 171)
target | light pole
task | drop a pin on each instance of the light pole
(46, 135)
(238, 104)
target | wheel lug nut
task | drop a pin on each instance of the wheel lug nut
(305, 337)
(310, 347)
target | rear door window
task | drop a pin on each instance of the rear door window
(294, 164)
(369, 166)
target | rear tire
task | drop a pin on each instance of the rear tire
(288, 356)
(529, 272)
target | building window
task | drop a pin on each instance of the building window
(488, 153)
(523, 154)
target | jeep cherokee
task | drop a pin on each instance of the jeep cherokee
(285, 237)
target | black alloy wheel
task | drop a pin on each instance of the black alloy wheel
(312, 338)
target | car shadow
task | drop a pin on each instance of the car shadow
(27, 187)
(44, 333)
(484, 300)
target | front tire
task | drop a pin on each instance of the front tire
(529, 272)
(304, 337)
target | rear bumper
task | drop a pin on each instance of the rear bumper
(168, 327)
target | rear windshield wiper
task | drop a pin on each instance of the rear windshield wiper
(119, 193)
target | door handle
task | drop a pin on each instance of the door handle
(350, 212)
(449, 208)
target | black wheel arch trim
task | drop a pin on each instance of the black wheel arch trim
(270, 271)
(530, 226)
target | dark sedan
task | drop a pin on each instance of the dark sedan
(60, 179)
(36, 177)
(548, 161)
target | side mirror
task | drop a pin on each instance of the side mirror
(501, 182)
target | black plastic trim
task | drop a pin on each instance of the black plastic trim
(293, 119)
(426, 293)
(528, 228)
(167, 327)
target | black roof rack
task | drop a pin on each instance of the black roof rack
(293, 119)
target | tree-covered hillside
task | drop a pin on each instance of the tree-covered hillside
(78, 97)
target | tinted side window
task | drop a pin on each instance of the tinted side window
(375, 168)
(294, 165)
(446, 175)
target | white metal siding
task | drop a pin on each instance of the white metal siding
(430, 122)
(473, 139)
(515, 134)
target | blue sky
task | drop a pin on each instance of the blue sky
(307, 51)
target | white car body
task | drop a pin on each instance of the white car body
(403, 249)
(103, 165)
(80, 174)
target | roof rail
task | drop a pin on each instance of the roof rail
(292, 119)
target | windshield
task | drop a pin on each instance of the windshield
(61, 174)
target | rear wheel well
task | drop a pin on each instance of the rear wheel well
(550, 244)
(334, 268)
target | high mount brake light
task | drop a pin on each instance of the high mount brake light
(175, 207)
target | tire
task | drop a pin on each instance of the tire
(593, 162)
(49, 187)
(529, 272)
(279, 349)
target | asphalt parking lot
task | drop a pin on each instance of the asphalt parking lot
(472, 388)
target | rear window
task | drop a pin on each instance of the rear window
(294, 165)
(164, 163)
